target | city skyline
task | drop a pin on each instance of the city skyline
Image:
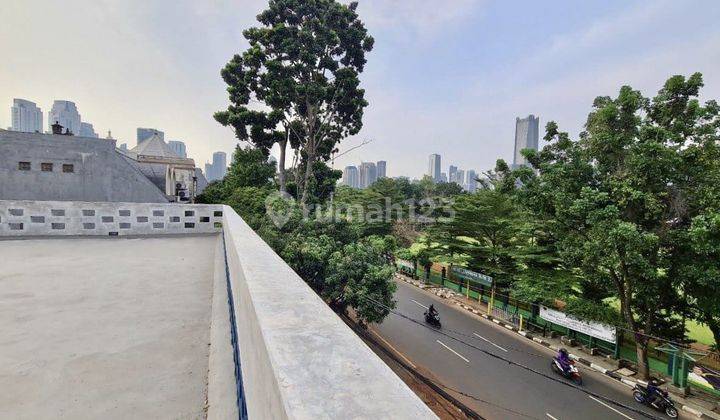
(462, 103)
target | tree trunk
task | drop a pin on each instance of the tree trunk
(306, 178)
(281, 165)
(641, 350)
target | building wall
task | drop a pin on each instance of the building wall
(434, 167)
(26, 117)
(66, 114)
(145, 133)
(100, 173)
(178, 147)
(68, 218)
(527, 131)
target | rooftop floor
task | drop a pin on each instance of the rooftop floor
(105, 328)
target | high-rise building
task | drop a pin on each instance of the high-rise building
(87, 130)
(219, 166)
(26, 116)
(527, 134)
(381, 169)
(66, 114)
(443, 177)
(452, 173)
(367, 174)
(434, 167)
(145, 133)
(178, 147)
(471, 183)
(460, 177)
(350, 177)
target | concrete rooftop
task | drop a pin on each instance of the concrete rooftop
(105, 328)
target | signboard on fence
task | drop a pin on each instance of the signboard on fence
(466, 274)
(404, 263)
(593, 329)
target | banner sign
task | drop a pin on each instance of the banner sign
(593, 329)
(466, 274)
(404, 263)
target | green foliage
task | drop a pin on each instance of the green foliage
(303, 65)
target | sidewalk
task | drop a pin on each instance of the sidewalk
(698, 407)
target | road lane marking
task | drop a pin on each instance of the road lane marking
(456, 353)
(549, 415)
(396, 351)
(485, 339)
(419, 303)
(619, 412)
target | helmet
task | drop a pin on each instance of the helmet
(654, 382)
(563, 351)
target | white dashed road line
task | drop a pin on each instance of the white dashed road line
(550, 416)
(488, 341)
(456, 353)
(621, 413)
(419, 303)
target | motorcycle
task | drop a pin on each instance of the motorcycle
(571, 373)
(664, 403)
(433, 320)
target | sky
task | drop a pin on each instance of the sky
(446, 77)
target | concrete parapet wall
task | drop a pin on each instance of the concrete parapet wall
(77, 218)
(298, 359)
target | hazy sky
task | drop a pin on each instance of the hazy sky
(445, 77)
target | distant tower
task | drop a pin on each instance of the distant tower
(220, 164)
(87, 130)
(367, 174)
(178, 147)
(381, 169)
(460, 177)
(66, 114)
(471, 184)
(527, 132)
(434, 167)
(350, 176)
(26, 116)
(452, 173)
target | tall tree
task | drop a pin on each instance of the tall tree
(302, 68)
(617, 199)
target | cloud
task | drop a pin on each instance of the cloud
(415, 17)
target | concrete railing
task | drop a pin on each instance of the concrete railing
(298, 359)
(77, 218)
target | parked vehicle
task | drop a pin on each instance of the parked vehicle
(571, 372)
(432, 319)
(663, 403)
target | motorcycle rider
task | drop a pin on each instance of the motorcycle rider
(654, 392)
(564, 359)
(432, 311)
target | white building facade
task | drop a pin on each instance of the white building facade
(26, 116)
(66, 114)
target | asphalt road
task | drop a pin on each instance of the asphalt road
(507, 391)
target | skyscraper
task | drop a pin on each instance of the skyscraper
(350, 176)
(66, 114)
(87, 130)
(527, 132)
(25, 116)
(367, 174)
(178, 147)
(434, 167)
(443, 177)
(381, 169)
(460, 178)
(471, 181)
(452, 173)
(145, 133)
(220, 164)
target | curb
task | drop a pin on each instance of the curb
(611, 374)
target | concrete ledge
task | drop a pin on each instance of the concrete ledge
(298, 359)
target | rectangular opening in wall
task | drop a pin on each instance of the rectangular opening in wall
(124, 225)
(16, 212)
(37, 219)
(15, 226)
(112, 233)
(142, 219)
(46, 167)
(158, 225)
(68, 168)
(24, 166)
(57, 212)
(88, 213)
(174, 219)
(107, 219)
(217, 213)
(88, 225)
(58, 226)
(189, 225)
(189, 213)
(205, 219)
(124, 213)
(158, 213)
(218, 225)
